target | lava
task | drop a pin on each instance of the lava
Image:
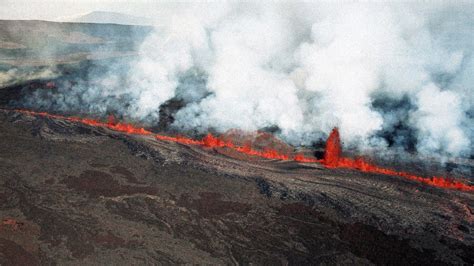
(333, 150)
(266, 153)
(213, 142)
(332, 157)
(301, 158)
(121, 127)
(179, 139)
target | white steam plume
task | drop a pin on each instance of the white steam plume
(402, 69)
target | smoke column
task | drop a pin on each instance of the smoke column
(387, 75)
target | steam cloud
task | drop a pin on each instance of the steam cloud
(13, 75)
(386, 75)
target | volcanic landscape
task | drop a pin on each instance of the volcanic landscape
(75, 192)
(79, 188)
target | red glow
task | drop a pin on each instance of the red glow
(301, 158)
(121, 127)
(179, 139)
(332, 157)
(267, 153)
(333, 149)
(213, 142)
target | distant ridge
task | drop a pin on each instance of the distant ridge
(104, 17)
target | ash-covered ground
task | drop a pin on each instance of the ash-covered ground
(74, 194)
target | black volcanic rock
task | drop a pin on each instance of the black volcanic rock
(74, 194)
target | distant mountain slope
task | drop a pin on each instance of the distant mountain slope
(29, 47)
(107, 18)
(22, 40)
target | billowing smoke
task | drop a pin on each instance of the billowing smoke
(13, 75)
(397, 75)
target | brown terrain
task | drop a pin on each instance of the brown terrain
(73, 194)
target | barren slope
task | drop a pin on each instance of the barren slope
(75, 194)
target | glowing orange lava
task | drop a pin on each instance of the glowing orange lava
(213, 142)
(332, 157)
(332, 153)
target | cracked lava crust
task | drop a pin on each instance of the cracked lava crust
(74, 193)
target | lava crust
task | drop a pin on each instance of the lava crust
(73, 193)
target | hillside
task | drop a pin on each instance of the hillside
(21, 41)
(73, 193)
(107, 18)
(29, 48)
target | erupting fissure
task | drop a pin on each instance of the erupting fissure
(332, 157)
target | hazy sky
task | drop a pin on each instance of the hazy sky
(53, 9)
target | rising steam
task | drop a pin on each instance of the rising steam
(385, 75)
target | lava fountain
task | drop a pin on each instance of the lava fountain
(333, 150)
(334, 159)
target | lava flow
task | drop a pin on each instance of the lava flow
(332, 157)
(213, 142)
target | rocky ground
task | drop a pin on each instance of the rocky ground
(73, 194)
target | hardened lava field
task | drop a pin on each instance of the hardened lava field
(77, 193)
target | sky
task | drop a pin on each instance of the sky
(54, 9)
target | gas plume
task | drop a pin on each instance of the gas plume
(387, 75)
(13, 75)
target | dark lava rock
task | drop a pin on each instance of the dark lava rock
(74, 194)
